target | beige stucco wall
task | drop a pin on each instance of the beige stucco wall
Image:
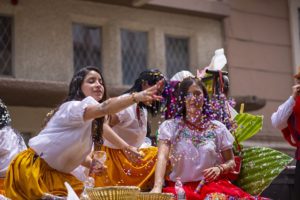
(260, 59)
(43, 35)
(43, 41)
(257, 44)
(28, 120)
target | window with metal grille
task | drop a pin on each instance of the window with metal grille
(86, 46)
(5, 45)
(177, 54)
(299, 25)
(134, 54)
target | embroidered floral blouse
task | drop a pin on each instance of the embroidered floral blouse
(193, 151)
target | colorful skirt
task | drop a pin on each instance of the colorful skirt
(122, 172)
(29, 177)
(216, 190)
(2, 186)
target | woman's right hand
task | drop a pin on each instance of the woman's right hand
(296, 91)
(132, 154)
(150, 94)
(211, 173)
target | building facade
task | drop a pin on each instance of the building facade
(44, 41)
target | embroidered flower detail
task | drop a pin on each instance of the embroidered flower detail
(198, 138)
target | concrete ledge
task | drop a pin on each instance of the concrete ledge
(204, 8)
(207, 8)
(251, 102)
(20, 92)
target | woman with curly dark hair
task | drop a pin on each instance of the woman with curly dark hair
(198, 147)
(125, 168)
(67, 138)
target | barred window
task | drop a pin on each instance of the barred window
(177, 54)
(87, 46)
(299, 25)
(5, 45)
(134, 54)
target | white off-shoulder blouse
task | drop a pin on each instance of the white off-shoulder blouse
(131, 128)
(67, 139)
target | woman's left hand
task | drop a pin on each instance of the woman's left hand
(211, 173)
(133, 155)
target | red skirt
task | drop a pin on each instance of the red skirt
(219, 189)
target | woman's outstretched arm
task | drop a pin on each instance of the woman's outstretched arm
(117, 104)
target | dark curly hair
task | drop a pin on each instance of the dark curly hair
(5, 119)
(150, 76)
(182, 93)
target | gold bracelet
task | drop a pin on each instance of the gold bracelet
(133, 97)
(224, 167)
(220, 168)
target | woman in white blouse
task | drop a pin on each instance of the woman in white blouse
(131, 125)
(200, 150)
(66, 140)
(11, 143)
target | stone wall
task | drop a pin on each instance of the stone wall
(258, 45)
(43, 51)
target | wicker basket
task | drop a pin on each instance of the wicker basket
(113, 193)
(155, 196)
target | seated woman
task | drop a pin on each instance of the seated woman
(196, 147)
(125, 168)
(11, 143)
(66, 140)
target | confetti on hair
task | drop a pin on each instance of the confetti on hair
(5, 119)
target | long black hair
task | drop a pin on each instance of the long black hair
(5, 119)
(75, 93)
(151, 76)
(182, 93)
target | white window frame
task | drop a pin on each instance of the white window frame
(294, 6)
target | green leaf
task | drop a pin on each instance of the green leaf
(260, 166)
(248, 125)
